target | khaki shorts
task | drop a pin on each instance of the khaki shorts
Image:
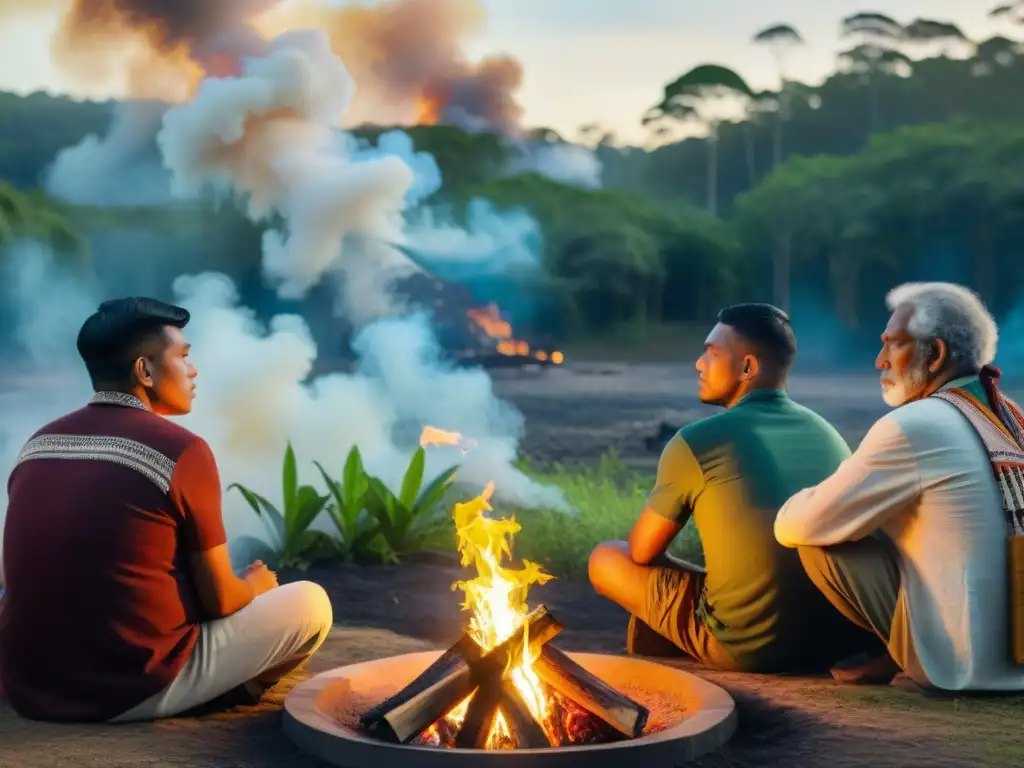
(671, 610)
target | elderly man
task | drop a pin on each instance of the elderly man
(120, 600)
(909, 538)
(754, 609)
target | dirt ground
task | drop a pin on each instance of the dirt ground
(574, 414)
(792, 722)
(797, 722)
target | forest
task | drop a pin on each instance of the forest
(907, 162)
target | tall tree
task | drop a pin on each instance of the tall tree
(876, 53)
(931, 32)
(1009, 12)
(699, 95)
(780, 39)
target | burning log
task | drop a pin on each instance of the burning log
(591, 693)
(522, 693)
(526, 730)
(480, 717)
(494, 359)
(449, 662)
(452, 678)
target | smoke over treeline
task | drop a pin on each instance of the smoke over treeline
(264, 134)
(406, 55)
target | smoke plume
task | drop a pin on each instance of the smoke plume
(267, 137)
(407, 56)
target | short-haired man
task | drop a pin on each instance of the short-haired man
(909, 538)
(752, 608)
(121, 603)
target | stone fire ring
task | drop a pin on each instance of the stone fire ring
(310, 724)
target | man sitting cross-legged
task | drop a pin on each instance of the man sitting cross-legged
(120, 602)
(754, 609)
(914, 537)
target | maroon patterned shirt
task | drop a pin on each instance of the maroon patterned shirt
(100, 612)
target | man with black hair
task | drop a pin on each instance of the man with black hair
(752, 608)
(121, 603)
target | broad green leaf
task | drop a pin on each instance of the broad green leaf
(384, 496)
(354, 479)
(270, 515)
(289, 481)
(432, 493)
(365, 538)
(378, 502)
(401, 518)
(336, 510)
(413, 478)
(309, 504)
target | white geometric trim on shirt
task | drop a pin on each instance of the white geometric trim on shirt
(118, 398)
(150, 463)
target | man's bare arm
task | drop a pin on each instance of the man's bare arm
(651, 536)
(221, 592)
(669, 504)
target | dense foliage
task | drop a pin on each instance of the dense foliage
(893, 168)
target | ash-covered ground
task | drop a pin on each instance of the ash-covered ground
(576, 412)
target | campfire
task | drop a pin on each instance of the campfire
(502, 685)
(492, 328)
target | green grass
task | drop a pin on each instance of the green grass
(991, 722)
(608, 497)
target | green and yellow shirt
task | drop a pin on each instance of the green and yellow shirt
(732, 472)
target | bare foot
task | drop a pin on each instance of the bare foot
(866, 670)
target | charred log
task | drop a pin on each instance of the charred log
(526, 731)
(480, 717)
(442, 686)
(591, 693)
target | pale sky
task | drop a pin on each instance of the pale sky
(604, 60)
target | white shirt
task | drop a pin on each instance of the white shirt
(922, 476)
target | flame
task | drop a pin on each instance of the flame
(497, 599)
(428, 111)
(489, 320)
(435, 436)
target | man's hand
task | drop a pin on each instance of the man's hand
(259, 577)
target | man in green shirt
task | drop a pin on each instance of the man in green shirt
(752, 608)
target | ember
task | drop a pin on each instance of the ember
(493, 328)
(501, 685)
(435, 436)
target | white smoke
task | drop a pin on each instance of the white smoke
(118, 168)
(566, 163)
(47, 307)
(267, 136)
(252, 398)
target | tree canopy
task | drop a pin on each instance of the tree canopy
(900, 165)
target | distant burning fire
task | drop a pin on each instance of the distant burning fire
(493, 326)
(429, 111)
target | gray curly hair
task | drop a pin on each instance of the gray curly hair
(954, 314)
